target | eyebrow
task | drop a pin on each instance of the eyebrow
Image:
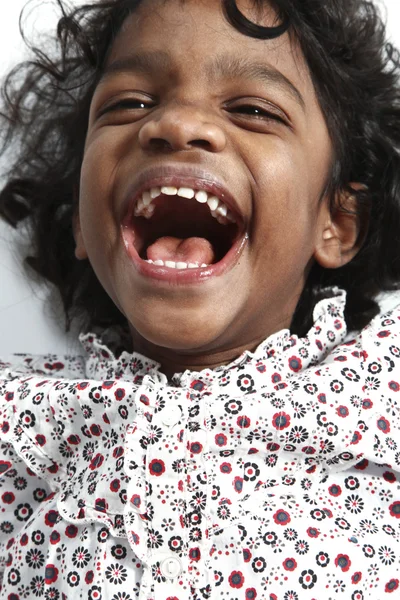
(225, 67)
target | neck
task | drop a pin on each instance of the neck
(176, 361)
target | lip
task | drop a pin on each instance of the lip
(181, 176)
(184, 276)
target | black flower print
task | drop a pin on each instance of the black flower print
(35, 558)
(155, 539)
(251, 471)
(298, 434)
(37, 586)
(175, 543)
(307, 579)
(386, 555)
(245, 383)
(73, 579)
(81, 557)
(116, 574)
(302, 547)
(233, 407)
(354, 503)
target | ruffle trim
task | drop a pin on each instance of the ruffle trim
(102, 363)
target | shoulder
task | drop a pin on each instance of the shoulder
(383, 331)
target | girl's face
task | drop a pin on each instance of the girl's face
(186, 101)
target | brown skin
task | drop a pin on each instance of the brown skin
(276, 168)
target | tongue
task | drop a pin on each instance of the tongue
(189, 250)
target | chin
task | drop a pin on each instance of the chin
(179, 336)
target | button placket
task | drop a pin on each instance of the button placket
(166, 475)
(171, 567)
(171, 416)
(197, 488)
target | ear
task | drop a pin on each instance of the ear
(80, 249)
(342, 231)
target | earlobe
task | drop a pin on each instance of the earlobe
(80, 249)
(343, 232)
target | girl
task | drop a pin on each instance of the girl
(206, 182)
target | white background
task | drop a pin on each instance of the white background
(27, 324)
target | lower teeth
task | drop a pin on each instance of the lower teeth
(175, 265)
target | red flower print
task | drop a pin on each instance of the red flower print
(357, 437)
(367, 404)
(289, 564)
(391, 586)
(281, 420)
(312, 532)
(335, 490)
(225, 468)
(8, 497)
(394, 386)
(238, 484)
(54, 537)
(295, 364)
(247, 556)
(119, 394)
(356, 577)
(362, 465)
(250, 594)
(194, 554)
(383, 334)
(51, 518)
(389, 477)
(342, 411)
(281, 517)
(51, 574)
(236, 579)
(115, 485)
(243, 422)
(96, 462)
(221, 439)
(157, 467)
(195, 448)
(5, 465)
(343, 562)
(71, 531)
(383, 424)
(89, 577)
(394, 509)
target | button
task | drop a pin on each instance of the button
(171, 416)
(171, 567)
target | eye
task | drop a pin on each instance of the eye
(126, 104)
(250, 111)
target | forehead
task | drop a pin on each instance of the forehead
(196, 34)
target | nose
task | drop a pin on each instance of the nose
(182, 128)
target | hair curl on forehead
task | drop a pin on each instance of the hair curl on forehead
(355, 72)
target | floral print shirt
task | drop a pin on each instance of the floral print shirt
(273, 478)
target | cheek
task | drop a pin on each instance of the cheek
(98, 206)
(99, 167)
(286, 191)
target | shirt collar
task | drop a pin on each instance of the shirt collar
(328, 330)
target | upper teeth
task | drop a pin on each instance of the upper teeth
(145, 208)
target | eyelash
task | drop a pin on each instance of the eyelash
(126, 104)
(240, 109)
(262, 113)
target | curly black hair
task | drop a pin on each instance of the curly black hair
(355, 72)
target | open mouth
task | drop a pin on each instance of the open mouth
(182, 227)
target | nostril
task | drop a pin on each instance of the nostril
(204, 144)
(160, 144)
